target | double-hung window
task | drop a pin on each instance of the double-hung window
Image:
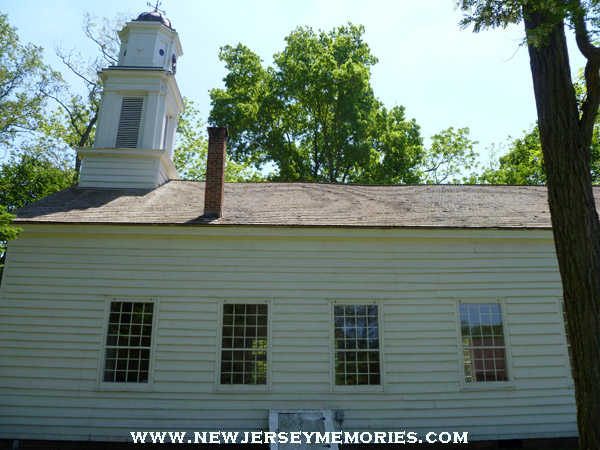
(356, 345)
(128, 342)
(483, 342)
(244, 344)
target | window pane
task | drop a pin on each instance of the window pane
(484, 351)
(245, 330)
(128, 342)
(356, 343)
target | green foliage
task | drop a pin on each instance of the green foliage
(523, 164)
(72, 125)
(484, 14)
(595, 155)
(451, 152)
(7, 233)
(24, 84)
(313, 114)
(191, 150)
(396, 149)
(37, 166)
(489, 14)
(23, 80)
(31, 175)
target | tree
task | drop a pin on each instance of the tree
(451, 152)
(23, 79)
(7, 233)
(313, 114)
(191, 148)
(74, 123)
(25, 85)
(522, 165)
(566, 130)
(396, 150)
(524, 162)
(31, 175)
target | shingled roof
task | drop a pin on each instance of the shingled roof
(302, 204)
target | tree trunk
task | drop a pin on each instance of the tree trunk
(82, 141)
(566, 149)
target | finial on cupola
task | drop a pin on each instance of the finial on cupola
(158, 3)
(157, 15)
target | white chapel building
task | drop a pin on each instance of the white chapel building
(138, 301)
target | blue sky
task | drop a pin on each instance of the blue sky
(442, 76)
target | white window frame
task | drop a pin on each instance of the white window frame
(363, 387)
(561, 311)
(485, 385)
(127, 386)
(218, 387)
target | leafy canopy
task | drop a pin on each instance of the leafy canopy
(484, 14)
(450, 153)
(23, 80)
(523, 164)
(31, 175)
(313, 115)
(7, 233)
(191, 147)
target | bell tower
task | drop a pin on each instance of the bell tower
(139, 110)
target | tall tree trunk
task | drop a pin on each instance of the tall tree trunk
(566, 148)
(82, 142)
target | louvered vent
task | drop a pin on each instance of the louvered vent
(129, 122)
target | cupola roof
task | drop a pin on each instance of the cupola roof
(153, 16)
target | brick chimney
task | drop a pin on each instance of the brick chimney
(215, 171)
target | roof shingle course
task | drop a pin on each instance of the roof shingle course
(302, 204)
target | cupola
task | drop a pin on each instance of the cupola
(139, 110)
(149, 41)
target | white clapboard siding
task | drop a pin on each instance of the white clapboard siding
(132, 172)
(58, 280)
(125, 168)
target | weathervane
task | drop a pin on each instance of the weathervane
(158, 3)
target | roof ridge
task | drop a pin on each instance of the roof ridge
(328, 183)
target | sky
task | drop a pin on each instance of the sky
(442, 75)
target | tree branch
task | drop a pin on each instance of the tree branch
(582, 37)
(66, 59)
(67, 110)
(589, 108)
(103, 46)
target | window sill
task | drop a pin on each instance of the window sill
(241, 388)
(124, 387)
(359, 389)
(487, 386)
